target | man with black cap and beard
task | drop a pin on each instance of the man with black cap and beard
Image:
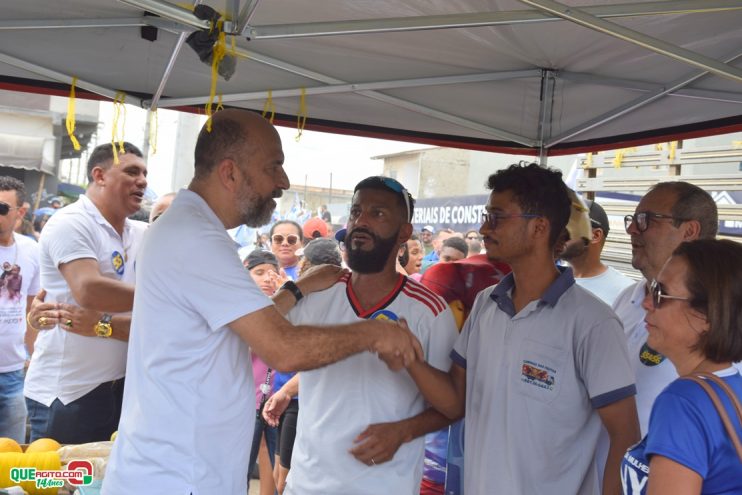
(361, 427)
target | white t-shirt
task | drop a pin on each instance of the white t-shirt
(65, 365)
(534, 383)
(15, 286)
(607, 286)
(339, 401)
(189, 401)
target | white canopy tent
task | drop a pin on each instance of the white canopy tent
(528, 77)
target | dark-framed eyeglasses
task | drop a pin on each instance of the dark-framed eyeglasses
(642, 219)
(290, 239)
(492, 219)
(655, 288)
(5, 208)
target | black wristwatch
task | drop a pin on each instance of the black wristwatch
(291, 286)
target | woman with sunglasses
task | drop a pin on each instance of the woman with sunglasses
(694, 318)
(286, 239)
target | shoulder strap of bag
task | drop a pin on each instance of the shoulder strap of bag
(701, 379)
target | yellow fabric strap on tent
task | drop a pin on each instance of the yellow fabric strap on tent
(119, 111)
(220, 49)
(269, 107)
(737, 144)
(673, 151)
(588, 161)
(659, 147)
(70, 121)
(219, 104)
(301, 118)
(620, 155)
(153, 128)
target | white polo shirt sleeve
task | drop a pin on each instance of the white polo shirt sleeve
(608, 376)
(210, 275)
(70, 241)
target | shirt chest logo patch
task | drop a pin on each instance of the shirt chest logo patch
(118, 262)
(384, 314)
(650, 357)
(538, 375)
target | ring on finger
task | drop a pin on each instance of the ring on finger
(43, 321)
(373, 462)
(68, 323)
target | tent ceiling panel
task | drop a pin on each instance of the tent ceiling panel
(596, 74)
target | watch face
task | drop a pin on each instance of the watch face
(103, 329)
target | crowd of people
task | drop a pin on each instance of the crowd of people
(344, 362)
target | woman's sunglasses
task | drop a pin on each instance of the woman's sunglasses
(655, 288)
(291, 239)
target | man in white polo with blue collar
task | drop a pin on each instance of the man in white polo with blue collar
(541, 363)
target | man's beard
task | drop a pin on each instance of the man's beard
(372, 261)
(254, 210)
(572, 250)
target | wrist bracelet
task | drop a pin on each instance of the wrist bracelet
(291, 286)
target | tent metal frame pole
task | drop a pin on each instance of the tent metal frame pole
(355, 87)
(71, 23)
(548, 83)
(169, 67)
(478, 19)
(185, 19)
(246, 14)
(634, 105)
(64, 78)
(643, 86)
(398, 102)
(169, 11)
(689, 57)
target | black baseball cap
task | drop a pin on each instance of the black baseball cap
(598, 216)
(260, 257)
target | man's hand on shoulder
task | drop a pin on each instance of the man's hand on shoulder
(319, 277)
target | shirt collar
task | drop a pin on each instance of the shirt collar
(88, 205)
(640, 290)
(502, 291)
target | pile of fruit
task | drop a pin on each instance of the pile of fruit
(41, 454)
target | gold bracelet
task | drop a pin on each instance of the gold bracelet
(28, 321)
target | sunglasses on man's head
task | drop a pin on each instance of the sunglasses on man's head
(655, 288)
(5, 208)
(291, 239)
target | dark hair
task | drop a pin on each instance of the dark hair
(475, 247)
(714, 281)
(226, 139)
(414, 237)
(457, 243)
(8, 183)
(103, 153)
(281, 222)
(692, 203)
(538, 191)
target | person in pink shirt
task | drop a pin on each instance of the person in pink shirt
(263, 268)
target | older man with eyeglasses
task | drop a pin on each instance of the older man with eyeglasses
(669, 214)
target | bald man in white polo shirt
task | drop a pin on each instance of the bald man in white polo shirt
(541, 363)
